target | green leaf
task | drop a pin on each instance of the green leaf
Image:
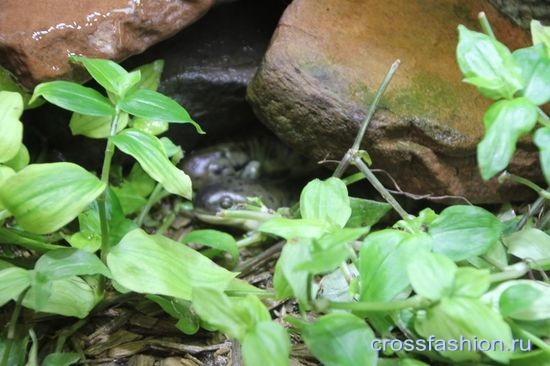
(11, 129)
(515, 303)
(45, 197)
(150, 104)
(294, 253)
(95, 127)
(69, 262)
(107, 73)
(150, 154)
(214, 239)
(541, 138)
(61, 359)
(516, 299)
(154, 264)
(150, 75)
(267, 344)
(13, 281)
(487, 64)
(26, 240)
(233, 316)
(340, 339)
(461, 232)
(529, 244)
(75, 98)
(535, 68)
(431, 275)
(8, 83)
(366, 212)
(150, 126)
(540, 34)
(68, 296)
(464, 318)
(383, 263)
(20, 160)
(5, 173)
(326, 201)
(471, 282)
(134, 189)
(294, 228)
(505, 121)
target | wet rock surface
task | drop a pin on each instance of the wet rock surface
(207, 69)
(326, 60)
(36, 37)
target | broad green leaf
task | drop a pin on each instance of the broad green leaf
(27, 240)
(340, 339)
(461, 232)
(535, 68)
(150, 75)
(294, 228)
(13, 281)
(150, 154)
(74, 97)
(294, 253)
(537, 309)
(107, 73)
(541, 138)
(326, 201)
(268, 344)
(529, 244)
(214, 239)
(45, 197)
(68, 296)
(431, 275)
(154, 264)
(174, 152)
(5, 173)
(331, 250)
(465, 318)
(19, 349)
(487, 64)
(471, 282)
(517, 299)
(505, 121)
(20, 160)
(383, 263)
(95, 127)
(11, 129)
(366, 212)
(150, 104)
(61, 359)
(150, 126)
(234, 316)
(540, 34)
(70, 262)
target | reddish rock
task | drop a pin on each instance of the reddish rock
(326, 60)
(36, 37)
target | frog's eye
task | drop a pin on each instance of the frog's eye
(215, 168)
(226, 202)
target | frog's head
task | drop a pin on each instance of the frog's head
(213, 165)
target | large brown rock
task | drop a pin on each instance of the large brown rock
(37, 37)
(326, 60)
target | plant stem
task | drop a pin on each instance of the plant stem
(150, 202)
(485, 26)
(344, 163)
(255, 237)
(380, 188)
(526, 182)
(532, 211)
(66, 333)
(531, 337)
(412, 302)
(511, 272)
(12, 326)
(246, 215)
(543, 119)
(101, 200)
